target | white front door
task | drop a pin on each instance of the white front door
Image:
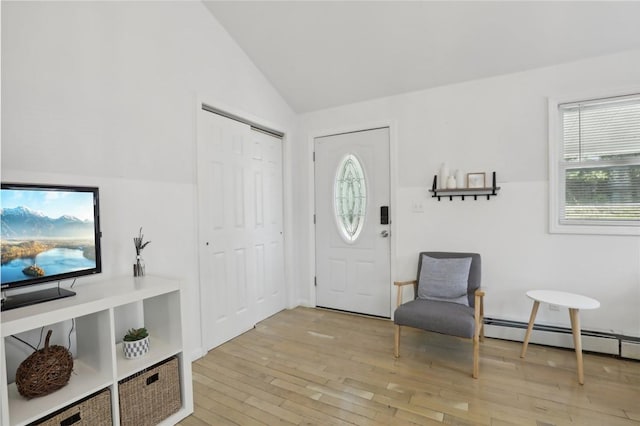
(352, 222)
(240, 227)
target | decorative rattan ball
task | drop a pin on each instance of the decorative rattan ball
(44, 371)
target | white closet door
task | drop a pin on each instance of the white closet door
(240, 225)
(269, 294)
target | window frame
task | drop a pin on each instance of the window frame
(350, 239)
(557, 181)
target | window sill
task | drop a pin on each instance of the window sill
(613, 230)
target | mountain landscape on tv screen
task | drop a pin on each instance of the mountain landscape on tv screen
(36, 245)
(25, 223)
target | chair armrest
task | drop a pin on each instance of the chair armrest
(401, 284)
(479, 302)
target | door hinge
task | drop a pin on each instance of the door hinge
(314, 156)
(314, 218)
(315, 281)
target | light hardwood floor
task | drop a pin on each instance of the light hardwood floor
(317, 367)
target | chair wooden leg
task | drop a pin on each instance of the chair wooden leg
(477, 332)
(476, 353)
(481, 321)
(476, 359)
(396, 349)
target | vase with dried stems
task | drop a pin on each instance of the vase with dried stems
(139, 243)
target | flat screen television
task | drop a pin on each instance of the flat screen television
(48, 233)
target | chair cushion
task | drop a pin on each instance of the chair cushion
(433, 315)
(444, 279)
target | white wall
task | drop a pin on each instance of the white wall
(485, 125)
(104, 93)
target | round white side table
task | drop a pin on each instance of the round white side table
(574, 302)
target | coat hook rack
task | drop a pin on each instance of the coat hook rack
(464, 192)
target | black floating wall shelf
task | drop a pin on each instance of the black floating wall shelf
(464, 192)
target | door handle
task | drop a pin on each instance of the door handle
(384, 215)
(384, 233)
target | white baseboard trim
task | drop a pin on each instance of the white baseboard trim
(197, 353)
(561, 337)
(630, 350)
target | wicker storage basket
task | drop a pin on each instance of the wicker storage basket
(150, 396)
(94, 410)
(44, 371)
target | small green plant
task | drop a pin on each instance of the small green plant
(135, 334)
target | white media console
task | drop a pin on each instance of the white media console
(99, 362)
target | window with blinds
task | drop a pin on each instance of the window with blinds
(599, 162)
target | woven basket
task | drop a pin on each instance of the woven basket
(44, 371)
(148, 397)
(94, 410)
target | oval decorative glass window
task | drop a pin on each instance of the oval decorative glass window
(350, 192)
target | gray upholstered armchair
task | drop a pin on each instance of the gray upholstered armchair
(447, 299)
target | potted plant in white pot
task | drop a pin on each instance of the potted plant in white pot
(135, 343)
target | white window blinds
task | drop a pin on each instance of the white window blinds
(599, 165)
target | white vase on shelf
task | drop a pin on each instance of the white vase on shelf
(459, 179)
(451, 182)
(444, 175)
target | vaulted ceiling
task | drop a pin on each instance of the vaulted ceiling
(320, 54)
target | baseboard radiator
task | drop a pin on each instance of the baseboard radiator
(592, 341)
